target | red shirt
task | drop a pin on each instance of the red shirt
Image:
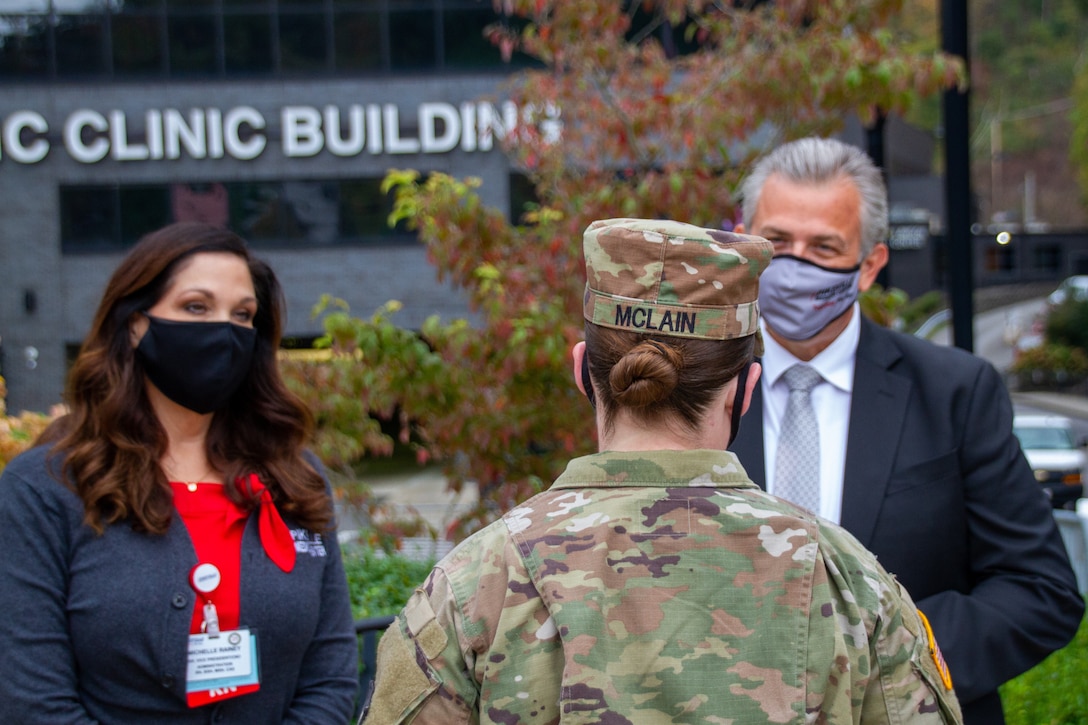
(215, 525)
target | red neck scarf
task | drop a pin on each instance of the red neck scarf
(275, 536)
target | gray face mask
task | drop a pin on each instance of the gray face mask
(799, 298)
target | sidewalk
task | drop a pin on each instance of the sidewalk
(417, 493)
(423, 492)
(995, 332)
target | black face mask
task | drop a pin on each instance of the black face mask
(738, 403)
(586, 382)
(198, 365)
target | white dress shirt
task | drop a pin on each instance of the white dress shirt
(830, 399)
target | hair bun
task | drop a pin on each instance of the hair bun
(646, 375)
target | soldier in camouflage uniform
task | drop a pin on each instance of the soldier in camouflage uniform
(654, 582)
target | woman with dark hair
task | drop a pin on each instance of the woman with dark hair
(654, 582)
(169, 551)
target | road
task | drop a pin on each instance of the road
(996, 332)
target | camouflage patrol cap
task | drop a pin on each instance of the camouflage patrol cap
(672, 278)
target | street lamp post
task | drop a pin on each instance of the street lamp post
(957, 180)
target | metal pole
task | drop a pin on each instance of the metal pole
(957, 181)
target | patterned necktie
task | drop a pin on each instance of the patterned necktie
(797, 466)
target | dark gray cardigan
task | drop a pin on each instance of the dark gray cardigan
(95, 628)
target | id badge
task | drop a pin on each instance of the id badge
(221, 666)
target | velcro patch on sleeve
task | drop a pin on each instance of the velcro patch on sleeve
(401, 685)
(424, 626)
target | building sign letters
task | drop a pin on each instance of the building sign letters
(243, 133)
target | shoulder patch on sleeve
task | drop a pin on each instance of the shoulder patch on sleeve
(935, 653)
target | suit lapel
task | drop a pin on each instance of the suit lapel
(748, 446)
(877, 410)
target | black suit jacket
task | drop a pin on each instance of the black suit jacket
(935, 484)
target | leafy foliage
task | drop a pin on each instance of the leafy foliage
(379, 584)
(894, 308)
(651, 109)
(1052, 357)
(17, 433)
(1078, 139)
(921, 308)
(1062, 359)
(1027, 53)
(883, 306)
(1024, 56)
(1067, 324)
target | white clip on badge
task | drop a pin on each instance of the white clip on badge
(205, 579)
(210, 626)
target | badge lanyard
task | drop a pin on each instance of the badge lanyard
(220, 664)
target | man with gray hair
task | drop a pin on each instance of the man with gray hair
(908, 445)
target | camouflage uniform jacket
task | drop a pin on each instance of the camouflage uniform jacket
(659, 587)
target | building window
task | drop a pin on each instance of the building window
(1000, 260)
(268, 214)
(359, 41)
(463, 38)
(302, 42)
(412, 39)
(244, 38)
(523, 197)
(142, 210)
(138, 44)
(89, 219)
(364, 211)
(81, 45)
(24, 47)
(1046, 258)
(191, 43)
(247, 43)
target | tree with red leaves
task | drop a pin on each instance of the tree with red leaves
(651, 109)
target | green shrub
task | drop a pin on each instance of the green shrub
(1067, 324)
(920, 309)
(893, 308)
(379, 583)
(1054, 692)
(1050, 365)
(882, 306)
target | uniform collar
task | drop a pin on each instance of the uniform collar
(655, 468)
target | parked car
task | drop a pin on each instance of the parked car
(1059, 460)
(1075, 287)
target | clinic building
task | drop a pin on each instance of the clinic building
(280, 118)
(277, 118)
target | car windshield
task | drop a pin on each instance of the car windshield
(1043, 437)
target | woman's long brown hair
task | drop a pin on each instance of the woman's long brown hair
(111, 442)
